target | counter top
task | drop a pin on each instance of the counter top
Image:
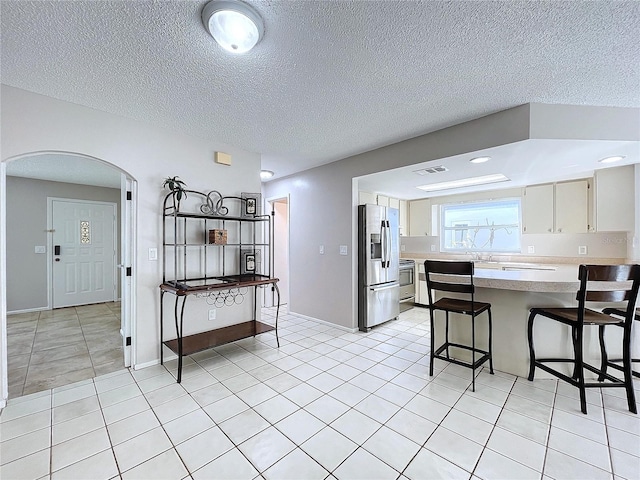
(563, 279)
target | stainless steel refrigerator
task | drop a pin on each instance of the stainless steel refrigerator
(378, 262)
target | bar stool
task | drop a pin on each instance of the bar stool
(463, 284)
(606, 362)
(598, 283)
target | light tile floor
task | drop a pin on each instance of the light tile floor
(327, 404)
(52, 348)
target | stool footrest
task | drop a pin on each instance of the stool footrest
(479, 361)
(540, 363)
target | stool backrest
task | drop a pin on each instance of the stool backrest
(602, 290)
(462, 270)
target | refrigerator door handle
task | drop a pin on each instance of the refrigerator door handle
(386, 287)
(383, 240)
(388, 244)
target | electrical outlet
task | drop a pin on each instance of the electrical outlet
(212, 314)
(321, 249)
(582, 250)
(402, 248)
(153, 254)
(531, 249)
(343, 250)
(433, 248)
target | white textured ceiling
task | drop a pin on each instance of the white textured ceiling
(330, 78)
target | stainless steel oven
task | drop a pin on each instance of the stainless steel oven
(407, 284)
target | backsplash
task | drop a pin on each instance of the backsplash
(602, 245)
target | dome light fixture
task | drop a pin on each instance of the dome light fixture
(613, 159)
(480, 159)
(264, 174)
(236, 26)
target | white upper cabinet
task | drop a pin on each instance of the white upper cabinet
(537, 209)
(404, 230)
(420, 217)
(366, 198)
(560, 208)
(615, 191)
(383, 200)
(394, 203)
(572, 207)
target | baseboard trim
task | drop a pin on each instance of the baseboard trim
(28, 310)
(324, 322)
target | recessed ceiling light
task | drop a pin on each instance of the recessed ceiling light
(480, 159)
(264, 174)
(236, 26)
(615, 158)
(464, 182)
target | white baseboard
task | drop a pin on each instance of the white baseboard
(324, 322)
(28, 310)
(140, 366)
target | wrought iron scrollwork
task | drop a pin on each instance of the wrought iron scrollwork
(214, 206)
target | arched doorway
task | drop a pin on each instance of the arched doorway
(45, 346)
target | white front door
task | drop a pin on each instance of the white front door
(83, 252)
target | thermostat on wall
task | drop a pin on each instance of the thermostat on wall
(222, 158)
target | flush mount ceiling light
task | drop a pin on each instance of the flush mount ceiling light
(236, 26)
(615, 158)
(464, 182)
(264, 174)
(480, 159)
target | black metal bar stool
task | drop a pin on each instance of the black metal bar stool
(463, 284)
(606, 361)
(598, 283)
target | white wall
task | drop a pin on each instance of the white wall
(32, 123)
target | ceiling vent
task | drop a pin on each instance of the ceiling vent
(425, 171)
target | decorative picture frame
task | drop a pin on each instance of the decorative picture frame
(250, 262)
(251, 205)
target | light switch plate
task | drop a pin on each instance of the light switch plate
(343, 250)
(212, 314)
(402, 248)
(321, 249)
(582, 250)
(531, 249)
(433, 248)
(41, 249)
(153, 254)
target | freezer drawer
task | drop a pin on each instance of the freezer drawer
(382, 303)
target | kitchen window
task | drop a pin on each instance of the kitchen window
(489, 226)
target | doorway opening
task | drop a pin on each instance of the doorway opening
(69, 231)
(279, 209)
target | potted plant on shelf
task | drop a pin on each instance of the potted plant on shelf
(177, 187)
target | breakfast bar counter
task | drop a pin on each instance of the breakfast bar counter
(513, 289)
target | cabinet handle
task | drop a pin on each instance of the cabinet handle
(559, 230)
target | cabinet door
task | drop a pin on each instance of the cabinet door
(383, 201)
(615, 190)
(366, 197)
(537, 211)
(403, 218)
(571, 207)
(420, 217)
(394, 203)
